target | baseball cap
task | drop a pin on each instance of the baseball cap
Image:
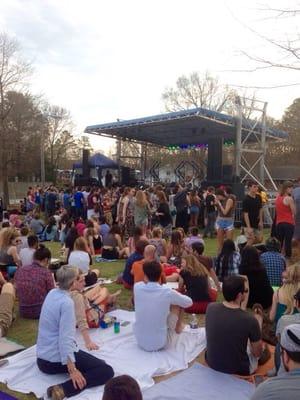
(290, 338)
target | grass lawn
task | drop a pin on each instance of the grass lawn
(24, 331)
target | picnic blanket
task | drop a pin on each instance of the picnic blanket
(200, 383)
(8, 347)
(118, 350)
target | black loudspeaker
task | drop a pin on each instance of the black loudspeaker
(125, 176)
(227, 173)
(214, 160)
(85, 163)
(238, 189)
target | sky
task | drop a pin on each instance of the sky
(104, 60)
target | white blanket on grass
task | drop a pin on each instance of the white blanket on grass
(200, 383)
(118, 350)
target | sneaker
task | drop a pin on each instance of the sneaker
(56, 392)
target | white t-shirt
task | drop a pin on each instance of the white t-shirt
(80, 259)
(26, 256)
(152, 307)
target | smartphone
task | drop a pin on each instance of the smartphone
(3, 362)
(125, 323)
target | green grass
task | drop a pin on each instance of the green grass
(24, 331)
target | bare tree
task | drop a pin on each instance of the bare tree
(13, 74)
(288, 48)
(197, 91)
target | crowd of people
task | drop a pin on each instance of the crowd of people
(157, 232)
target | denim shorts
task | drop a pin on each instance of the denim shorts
(225, 224)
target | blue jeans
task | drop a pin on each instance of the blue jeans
(210, 225)
(96, 372)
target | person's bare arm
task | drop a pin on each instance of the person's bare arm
(180, 284)
(14, 253)
(274, 306)
(290, 202)
(215, 279)
(247, 220)
(256, 348)
(90, 345)
(261, 219)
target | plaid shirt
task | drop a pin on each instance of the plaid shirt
(33, 282)
(233, 266)
(274, 263)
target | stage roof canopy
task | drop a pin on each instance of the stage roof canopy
(194, 126)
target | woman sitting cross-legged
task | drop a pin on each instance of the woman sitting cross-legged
(57, 351)
(90, 307)
(194, 280)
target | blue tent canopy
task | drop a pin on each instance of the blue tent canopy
(98, 160)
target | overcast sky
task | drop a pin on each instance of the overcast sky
(104, 60)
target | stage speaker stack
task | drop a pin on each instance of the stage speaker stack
(85, 164)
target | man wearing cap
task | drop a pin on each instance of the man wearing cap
(287, 385)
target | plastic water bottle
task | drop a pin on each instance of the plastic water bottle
(194, 322)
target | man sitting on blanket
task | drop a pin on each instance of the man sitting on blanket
(158, 310)
(233, 335)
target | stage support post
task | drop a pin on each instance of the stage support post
(238, 138)
(118, 157)
(263, 145)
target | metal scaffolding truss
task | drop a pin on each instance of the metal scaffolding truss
(253, 143)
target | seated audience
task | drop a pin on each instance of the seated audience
(26, 254)
(80, 257)
(112, 245)
(137, 235)
(127, 277)
(158, 310)
(260, 290)
(137, 270)
(285, 321)
(194, 281)
(176, 248)
(122, 387)
(93, 239)
(159, 243)
(24, 231)
(228, 261)
(90, 307)
(80, 226)
(287, 385)
(7, 299)
(71, 237)
(9, 257)
(33, 282)
(273, 261)
(233, 335)
(57, 351)
(37, 225)
(198, 250)
(194, 237)
(283, 298)
(104, 228)
(51, 231)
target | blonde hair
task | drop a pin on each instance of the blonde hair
(193, 266)
(291, 286)
(157, 232)
(81, 244)
(7, 235)
(140, 199)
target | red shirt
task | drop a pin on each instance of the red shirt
(283, 212)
